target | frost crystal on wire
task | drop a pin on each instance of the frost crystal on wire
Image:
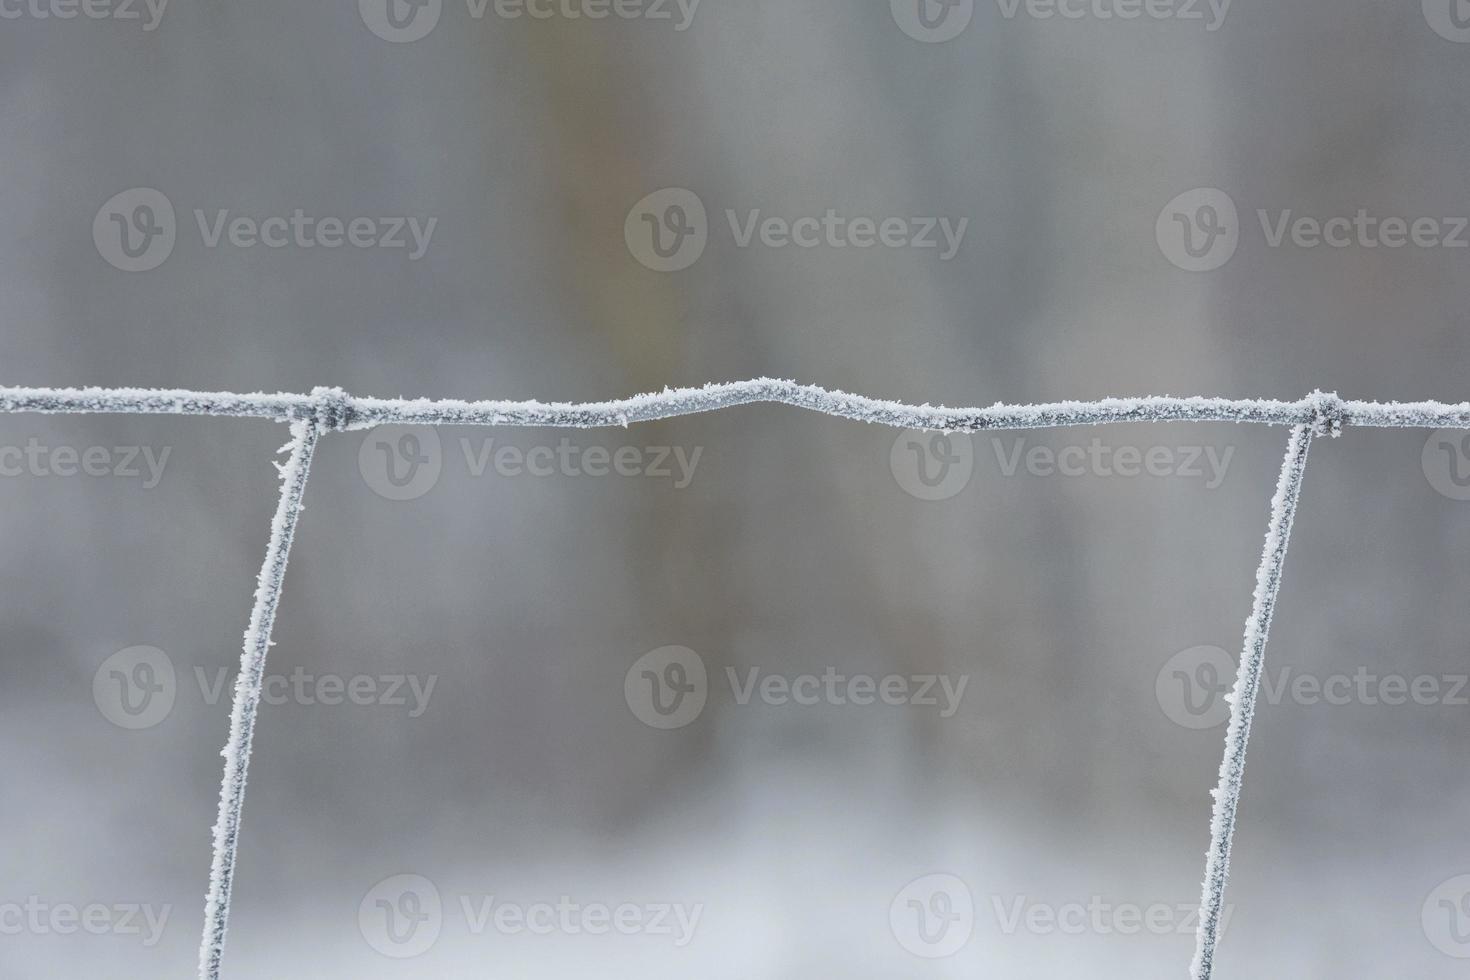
(333, 410)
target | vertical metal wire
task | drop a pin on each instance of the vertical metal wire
(294, 471)
(1243, 700)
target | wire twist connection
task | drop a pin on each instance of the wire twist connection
(333, 410)
(1329, 413)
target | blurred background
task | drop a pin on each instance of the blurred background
(480, 756)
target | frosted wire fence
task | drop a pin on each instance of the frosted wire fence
(332, 410)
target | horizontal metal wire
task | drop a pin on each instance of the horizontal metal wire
(333, 409)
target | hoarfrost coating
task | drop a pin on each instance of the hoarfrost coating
(1243, 699)
(332, 410)
(247, 694)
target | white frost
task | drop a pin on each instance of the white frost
(333, 410)
(1243, 699)
(236, 752)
